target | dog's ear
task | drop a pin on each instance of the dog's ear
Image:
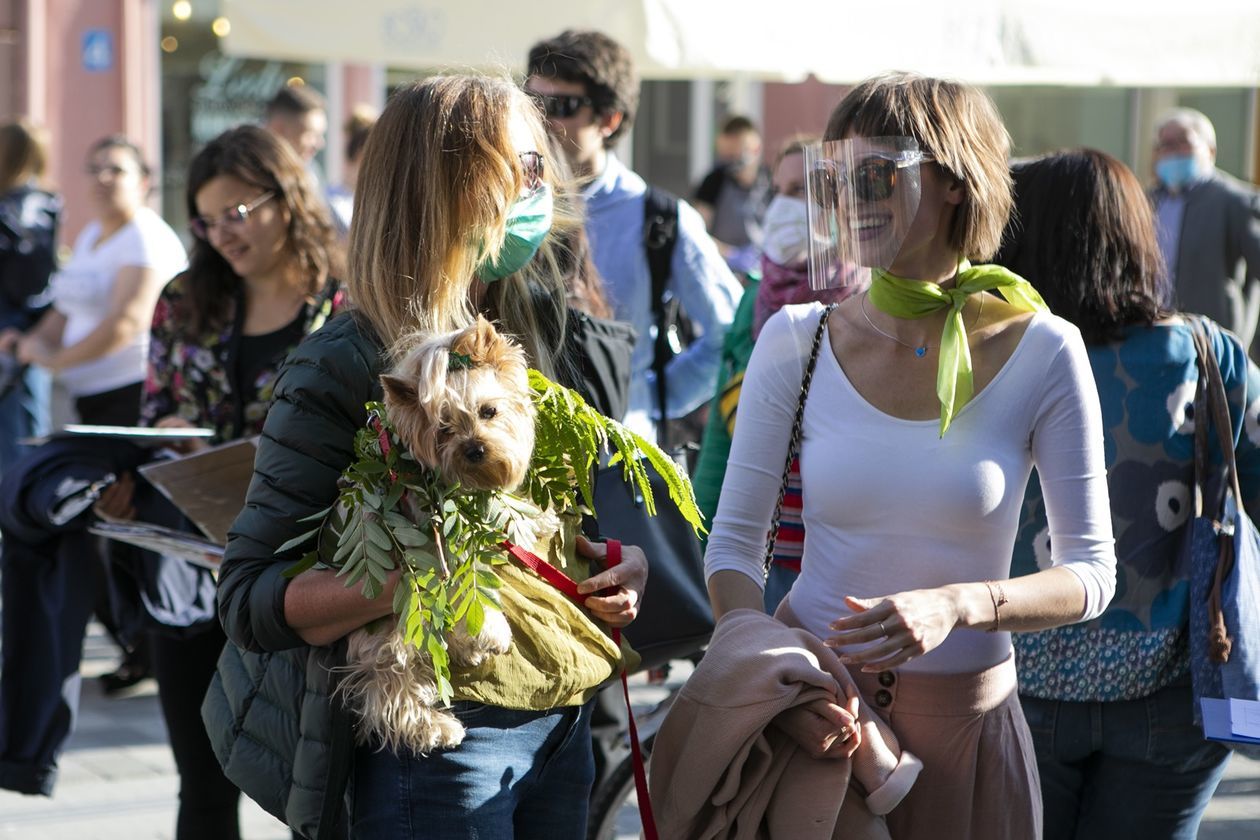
(480, 342)
(398, 391)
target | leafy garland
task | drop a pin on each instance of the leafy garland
(393, 512)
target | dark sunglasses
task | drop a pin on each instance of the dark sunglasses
(873, 179)
(238, 215)
(559, 106)
(532, 169)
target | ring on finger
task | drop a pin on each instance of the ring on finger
(883, 630)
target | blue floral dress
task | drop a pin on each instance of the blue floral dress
(1138, 646)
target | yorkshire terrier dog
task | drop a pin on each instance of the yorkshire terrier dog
(460, 403)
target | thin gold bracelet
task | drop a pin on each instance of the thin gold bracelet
(999, 600)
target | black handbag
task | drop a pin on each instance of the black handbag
(675, 620)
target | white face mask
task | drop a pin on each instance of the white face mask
(786, 230)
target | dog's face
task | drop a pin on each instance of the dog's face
(461, 404)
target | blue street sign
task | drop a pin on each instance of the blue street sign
(98, 50)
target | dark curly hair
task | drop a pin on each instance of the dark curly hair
(256, 157)
(599, 64)
(1083, 234)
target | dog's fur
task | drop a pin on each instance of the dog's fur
(459, 403)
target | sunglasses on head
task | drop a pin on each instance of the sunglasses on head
(559, 106)
(238, 215)
(532, 169)
(874, 178)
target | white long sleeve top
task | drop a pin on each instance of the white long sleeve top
(889, 505)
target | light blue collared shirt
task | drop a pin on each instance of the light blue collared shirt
(699, 279)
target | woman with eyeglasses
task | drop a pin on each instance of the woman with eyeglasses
(453, 215)
(260, 277)
(931, 400)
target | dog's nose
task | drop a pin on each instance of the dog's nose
(475, 453)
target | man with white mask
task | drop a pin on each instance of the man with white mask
(1209, 225)
(784, 281)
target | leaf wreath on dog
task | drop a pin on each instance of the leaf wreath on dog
(448, 538)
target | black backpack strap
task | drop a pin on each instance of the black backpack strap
(660, 234)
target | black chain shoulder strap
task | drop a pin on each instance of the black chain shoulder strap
(794, 442)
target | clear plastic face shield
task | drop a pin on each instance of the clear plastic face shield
(863, 194)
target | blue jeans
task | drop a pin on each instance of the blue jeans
(778, 584)
(1134, 769)
(24, 413)
(518, 774)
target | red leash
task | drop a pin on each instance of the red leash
(568, 587)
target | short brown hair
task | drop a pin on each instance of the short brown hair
(23, 154)
(597, 62)
(357, 128)
(959, 126)
(294, 100)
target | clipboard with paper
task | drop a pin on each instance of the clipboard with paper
(208, 487)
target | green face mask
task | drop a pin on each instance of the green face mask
(528, 222)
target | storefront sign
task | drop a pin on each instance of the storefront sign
(233, 91)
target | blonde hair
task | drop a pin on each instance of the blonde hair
(23, 154)
(438, 176)
(955, 123)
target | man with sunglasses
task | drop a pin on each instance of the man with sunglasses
(586, 86)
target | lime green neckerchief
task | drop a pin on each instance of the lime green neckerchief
(903, 298)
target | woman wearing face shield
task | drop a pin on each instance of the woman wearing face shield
(930, 403)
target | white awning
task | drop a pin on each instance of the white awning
(1139, 43)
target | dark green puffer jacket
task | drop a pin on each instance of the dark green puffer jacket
(270, 712)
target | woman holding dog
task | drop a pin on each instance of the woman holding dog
(930, 402)
(454, 202)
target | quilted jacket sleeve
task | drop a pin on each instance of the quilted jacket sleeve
(306, 443)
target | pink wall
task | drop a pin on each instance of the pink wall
(791, 109)
(79, 106)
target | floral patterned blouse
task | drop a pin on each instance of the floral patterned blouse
(1139, 645)
(195, 376)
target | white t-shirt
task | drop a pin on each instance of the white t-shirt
(890, 506)
(81, 291)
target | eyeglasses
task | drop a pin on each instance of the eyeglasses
(873, 179)
(532, 169)
(559, 106)
(95, 171)
(238, 215)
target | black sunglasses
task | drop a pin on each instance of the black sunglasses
(559, 106)
(873, 179)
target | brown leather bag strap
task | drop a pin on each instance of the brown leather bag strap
(1211, 404)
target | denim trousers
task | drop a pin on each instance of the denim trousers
(1136, 769)
(24, 413)
(518, 775)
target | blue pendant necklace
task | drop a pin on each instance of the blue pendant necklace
(920, 350)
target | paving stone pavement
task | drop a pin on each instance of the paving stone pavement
(118, 782)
